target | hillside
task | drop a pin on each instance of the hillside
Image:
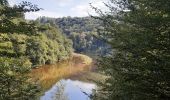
(47, 47)
(82, 31)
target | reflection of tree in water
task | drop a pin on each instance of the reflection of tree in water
(60, 94)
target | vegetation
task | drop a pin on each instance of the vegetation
(8, 16)
(134, 40)
(24, 44)
(48, 75)
(82, 31)
(139, 34)
(83, 59)
(48, 48)
(14, 84)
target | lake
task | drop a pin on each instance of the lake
(69, 90)
(67, 80)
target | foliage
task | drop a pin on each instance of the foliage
(14, 68)
(81, 31)
(139, 33)
(48, 47)
(14, 84)
(38, 44)
(18, 43)
(8, 14)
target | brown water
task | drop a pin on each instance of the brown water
(54, 78)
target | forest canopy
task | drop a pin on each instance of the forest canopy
(82, 31)
(23, 45)
(139, 34)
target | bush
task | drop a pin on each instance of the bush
(14, 84)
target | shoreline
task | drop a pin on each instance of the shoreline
(48, 75)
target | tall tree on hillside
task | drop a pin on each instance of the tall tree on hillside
(139, 33)
(8, 14)
(14, 83)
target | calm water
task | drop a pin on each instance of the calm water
(69, 90)
(63, 81)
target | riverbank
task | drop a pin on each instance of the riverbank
(48, 75)
(83, 58)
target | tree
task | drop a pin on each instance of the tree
(8, 14)
(81, 31)
(14, 83)
(48, 47)
(18, 42)
(139, 34)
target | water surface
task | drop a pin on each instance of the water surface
(63, 81)
(69, 90)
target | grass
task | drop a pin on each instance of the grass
(83, 58)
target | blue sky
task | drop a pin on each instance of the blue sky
(61, 8)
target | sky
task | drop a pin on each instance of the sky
(62, 8)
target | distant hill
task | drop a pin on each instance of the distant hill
(81, 31)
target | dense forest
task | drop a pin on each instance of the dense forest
(23, 45)
(39, 49)
(82, 31)
(139, 34)
(132, 36)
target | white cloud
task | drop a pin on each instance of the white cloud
(11, 2)
(85, 9)
(99, 4)
(62, 8)
(34, 15)
(80, 10)
(63, 3)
